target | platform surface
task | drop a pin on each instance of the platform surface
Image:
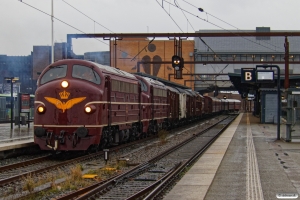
(246, 162)
(17, 137)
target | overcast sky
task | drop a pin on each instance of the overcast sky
(23, 26)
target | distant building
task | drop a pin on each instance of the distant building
(131, 50)
(16, 66)
(101, 57)
(41, 59)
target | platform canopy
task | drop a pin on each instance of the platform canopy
(245, 88)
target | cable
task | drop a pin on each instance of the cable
(229, 24)
(142, 50)
(60, 20)
(103, 27)
(170, 16)
(219, 26)
(182, 31)
(177, 4)
(87, 16)
(185, 16)
(69, 24)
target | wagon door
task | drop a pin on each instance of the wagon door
(108, 100)
(152, 103)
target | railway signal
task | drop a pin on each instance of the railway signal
(177, 62)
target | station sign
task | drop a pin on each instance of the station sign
(248, 75)
(265, 76)
(25, 103)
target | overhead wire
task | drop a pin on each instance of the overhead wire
(59, 20)
(70, 24)
(87, 16)
(96, 23)
(230, 24)
(133, 58)
(181, 30)
(219, 26)
(170, 16)
(182, 10)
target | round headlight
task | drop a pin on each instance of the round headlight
(64, 84)
(89, 109)
(41, 109)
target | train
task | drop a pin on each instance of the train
(81, 105)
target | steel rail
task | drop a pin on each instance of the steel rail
(4, 182)
(141, 167)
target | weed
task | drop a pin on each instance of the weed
(162, 135)
(29, 183)
(76, 173)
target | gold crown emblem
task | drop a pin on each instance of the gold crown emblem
(64, 95)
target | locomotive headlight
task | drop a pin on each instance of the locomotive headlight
(89, 109)
(64, 84)
(41, 109)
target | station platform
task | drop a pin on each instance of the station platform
(15, 138)
(245, 162)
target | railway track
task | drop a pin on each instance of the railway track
(150, 178)
(12, 177)
(11, 187)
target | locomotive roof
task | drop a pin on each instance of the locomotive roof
(194, 93)
(114, 70)
(182, 90)
(172, 89)
(154, 82)
(169, 83)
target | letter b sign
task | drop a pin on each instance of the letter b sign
(248, 75)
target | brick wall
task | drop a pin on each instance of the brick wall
(130, 51)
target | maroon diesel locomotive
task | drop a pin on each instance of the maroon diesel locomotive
(82, 105)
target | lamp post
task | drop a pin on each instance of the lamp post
(11, 80)
(52, 46)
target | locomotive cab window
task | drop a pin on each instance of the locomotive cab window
(86, 73)
(53, 73)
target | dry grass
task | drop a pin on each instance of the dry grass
(29, 183)
(162, 135)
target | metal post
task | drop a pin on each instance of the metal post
(11, 103)
(278, 102)
(115, 52)
(28, 120)
(52, 50)
(286, 58)
(106, 158)
(289, 116)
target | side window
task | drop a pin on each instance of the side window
(86, 73)
(54, 73)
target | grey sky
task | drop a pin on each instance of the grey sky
(22, 26)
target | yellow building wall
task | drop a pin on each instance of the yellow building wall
(130, 51)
